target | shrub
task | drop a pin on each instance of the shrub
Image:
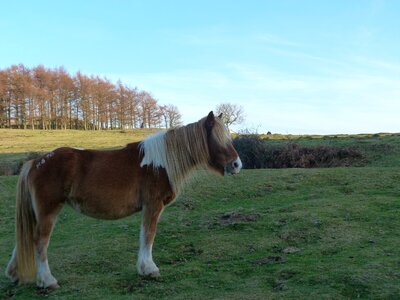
(252, 150)
(257, 153)
(13, 167)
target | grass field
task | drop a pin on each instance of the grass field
(16, 145)
(263, 234)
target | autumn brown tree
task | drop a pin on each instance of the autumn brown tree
(170, 116)
(43, 98)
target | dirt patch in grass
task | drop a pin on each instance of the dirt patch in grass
(231, 219)
(290, 250)
(271, 259)
(234, 217)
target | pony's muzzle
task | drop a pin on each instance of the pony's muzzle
(234, 167)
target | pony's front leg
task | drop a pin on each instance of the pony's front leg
(145, 263)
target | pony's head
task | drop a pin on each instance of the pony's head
(223, 157)
(181, 150)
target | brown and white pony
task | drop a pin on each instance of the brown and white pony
(144, 176)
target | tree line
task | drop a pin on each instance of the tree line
(44, 98)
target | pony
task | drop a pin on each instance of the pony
(144, 176)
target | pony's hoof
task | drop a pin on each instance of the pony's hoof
(11, 273)
(48, 288)
(49, 284)
(14, 280)
(149, 270)
(53, 286)
(154, 274)
(12, 276)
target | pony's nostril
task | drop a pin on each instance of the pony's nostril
(235, 164)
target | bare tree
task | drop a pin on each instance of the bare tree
(46, 98)
(231, 113)
(133, 107)
(65, 93)
(171, 116)
(83, 95)
(3, 95)
(150, 115)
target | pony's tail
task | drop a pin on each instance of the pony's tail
(25, 223)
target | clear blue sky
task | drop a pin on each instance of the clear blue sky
(294, 66)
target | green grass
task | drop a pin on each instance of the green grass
(263, 234)
(342, 225)
(16, 145)
(21, 141)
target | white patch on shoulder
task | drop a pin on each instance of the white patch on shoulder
(77, 148)
(154, 150)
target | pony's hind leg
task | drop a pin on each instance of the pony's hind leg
(44, 278)
(47, 205)
(11, 271)
(145, 263)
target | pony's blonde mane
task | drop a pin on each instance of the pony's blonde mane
(182, 150)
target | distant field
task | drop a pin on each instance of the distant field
(16, 145)
(22, 141)
(263, 234)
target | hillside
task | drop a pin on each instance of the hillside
(18, 145)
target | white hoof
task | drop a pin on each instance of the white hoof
(47, 282)
(149, 269)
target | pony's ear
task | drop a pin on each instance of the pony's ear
(220, 116)
(210, 120)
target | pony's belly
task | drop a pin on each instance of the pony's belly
(102, 209)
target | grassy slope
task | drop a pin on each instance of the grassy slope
(342, 225)
(15, 145)
(20, 141)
